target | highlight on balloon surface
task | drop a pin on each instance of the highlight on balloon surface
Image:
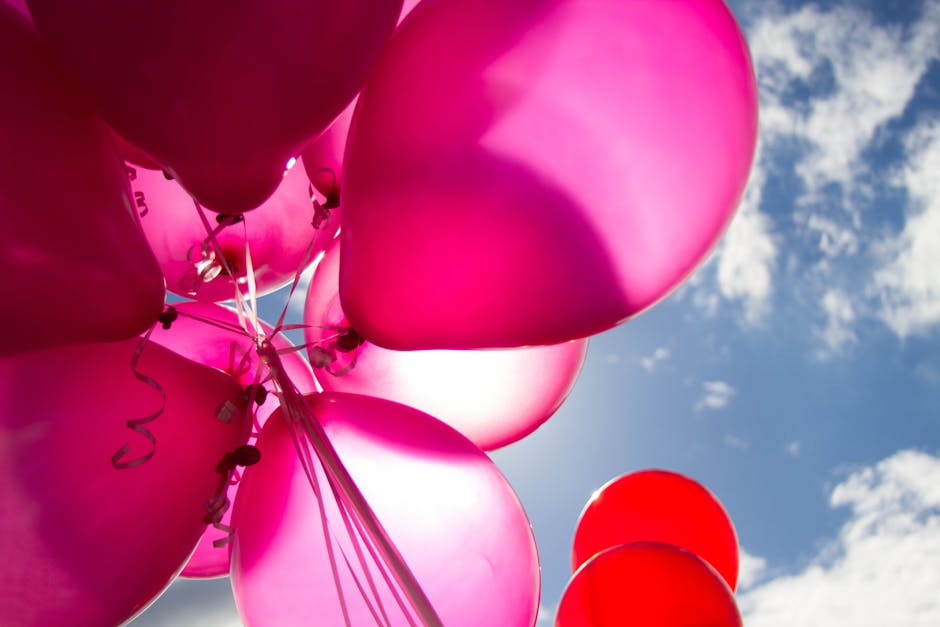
(493, 397)
(204, 255)
(481, 148)
(658, 506)
(210, 335)
(475, 558)
(66, 229)
(97, 516)
(650, 584)
(220, 102)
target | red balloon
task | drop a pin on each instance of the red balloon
(524, 173)
(221, 93)
(648, 585)
(284, 235)
(658, 506)
(196, 336)
(83, 542)
(66, 226)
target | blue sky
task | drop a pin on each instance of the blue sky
(797, 374)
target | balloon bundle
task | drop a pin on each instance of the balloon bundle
(482, 174)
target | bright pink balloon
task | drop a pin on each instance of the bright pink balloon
(284, 235)
(323, 158)
(493, 397)
(648, 584)
(84, 543)
(195, 334)
(523, 173)
(452, 515)
(66, 226)
(658, 506)
(223, 94)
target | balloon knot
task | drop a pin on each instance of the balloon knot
(168, 317)
(226, 219)
(245, 455)
(256, 393)
(349, 340)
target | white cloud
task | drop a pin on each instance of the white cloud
(793, 448)
(840, 318)
(715, 395)
(751, 569)
(883, 568)
(546, 617)
(908, 281)
(861, 75)
(651, 362)
(747, 254)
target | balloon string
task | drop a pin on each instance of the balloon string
(351, 533)
(288, 401)
(321, 215)
(344, 507)
(298, 410)
(137, 424)
(329, 533)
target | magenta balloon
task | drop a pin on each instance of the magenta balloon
(279, 234)
(452, 515)
(66, 228)
(523, 173)
(223, 94)
(196, 336)
(84, 543)
(493, 397)
(323, 158)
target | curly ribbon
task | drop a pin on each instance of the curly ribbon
(137, 424)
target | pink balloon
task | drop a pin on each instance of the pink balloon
(223, 94)
(323, 158)
(493, 397)
(452, 515)
(523, 173)
(196, 335)
(66, 227)
(284, 236)
(85, 543)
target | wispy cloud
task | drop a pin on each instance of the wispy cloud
(715, 395)
(747, 255)
(908, 281)
(860, 75)
(881, 569)
(652, 362)
(838, 332)
(751, 569)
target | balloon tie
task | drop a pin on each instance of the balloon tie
(346, 340)
(245, 455)
(168, 317)
(137, 424)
